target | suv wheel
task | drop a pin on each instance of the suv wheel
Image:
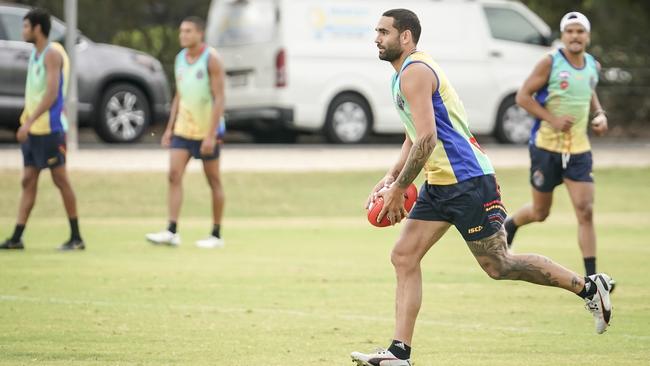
(124, 114)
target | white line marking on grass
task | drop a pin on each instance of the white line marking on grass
(291, 312)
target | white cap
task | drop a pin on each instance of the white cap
(575, 17)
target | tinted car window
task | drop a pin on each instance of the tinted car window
(13, 26)
(509, 25)
(3, 35)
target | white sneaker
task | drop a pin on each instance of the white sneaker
(210, 242)
(381, 357)
(165, 237)
(600, 304)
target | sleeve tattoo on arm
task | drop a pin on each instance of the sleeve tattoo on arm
(418, 156)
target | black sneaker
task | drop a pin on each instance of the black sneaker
(10, 244)
(73, 244)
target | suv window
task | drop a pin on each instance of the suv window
(13, 27)
(509, 25)
(3, 34)
(57, 32)
(237, 22)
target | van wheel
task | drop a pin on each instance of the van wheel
(513, 123)
(348, 120)
(124, 114)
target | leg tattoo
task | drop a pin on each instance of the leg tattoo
(494, 257)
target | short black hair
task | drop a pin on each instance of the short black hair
(405, 19)
(199, 22)
(39, 16)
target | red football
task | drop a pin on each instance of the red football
(410, 196)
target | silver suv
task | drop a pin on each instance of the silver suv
(121, 90)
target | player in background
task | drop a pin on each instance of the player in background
(194, 128)
(561, 94)
(43, 127)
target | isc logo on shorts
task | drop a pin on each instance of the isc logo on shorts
(475, 230)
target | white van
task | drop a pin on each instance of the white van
(312, 65)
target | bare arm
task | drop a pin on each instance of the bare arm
(173, 112)
(537, 79)
(401, 161)
(217, 76)
(418, 83)
(215, 69)
(394, 171)
(595, 104)
(599, 122)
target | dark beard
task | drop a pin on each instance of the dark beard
(390, 54)
(568, 49)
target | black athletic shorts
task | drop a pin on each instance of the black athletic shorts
(474, 206)
(546, 171)
(194, 147)
(44, 151)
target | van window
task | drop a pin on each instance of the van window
(509, 25)
(241, 22)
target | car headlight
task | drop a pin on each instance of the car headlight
(148, 62)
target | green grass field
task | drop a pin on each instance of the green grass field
(303, 280)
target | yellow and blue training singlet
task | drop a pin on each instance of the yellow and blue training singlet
(195, 96)
(568, 92)
(457, 156)
(52, 120)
